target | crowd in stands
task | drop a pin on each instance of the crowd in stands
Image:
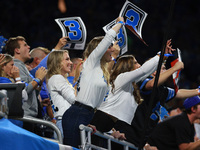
(101, 90)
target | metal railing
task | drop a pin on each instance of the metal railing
(43, 122)
(86, 144)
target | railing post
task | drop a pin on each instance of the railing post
(109, 144)
(44, 122)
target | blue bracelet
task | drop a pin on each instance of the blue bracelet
(121, 23)
(37, 80)
(199, 90)
(114, 60)
(167, 55)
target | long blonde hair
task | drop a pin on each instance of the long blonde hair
(124, 64)
(6, 60)
(54, 62)
(89, 49)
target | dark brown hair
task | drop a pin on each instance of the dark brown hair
(124, 64)
(12, 43)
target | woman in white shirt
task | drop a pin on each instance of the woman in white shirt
(124, 97)
(92, 86)
(61, 92)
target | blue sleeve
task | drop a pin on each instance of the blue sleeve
(43, 63)
(142, 87)
(44, 91)
(171, 94)
(5, 80)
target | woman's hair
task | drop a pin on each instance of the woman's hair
(77, 71)
(91, 46)
(54, 62)
(6, 60)
(125, 64)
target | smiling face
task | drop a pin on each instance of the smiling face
(66, 64)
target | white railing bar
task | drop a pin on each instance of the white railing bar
(106, 136)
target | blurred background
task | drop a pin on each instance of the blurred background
(34, 19)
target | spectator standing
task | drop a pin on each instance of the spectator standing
(93, 86)
(61, 92)
(19, 49)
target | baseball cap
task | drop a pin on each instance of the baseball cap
(189, 102)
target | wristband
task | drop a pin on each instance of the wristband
(18, 79)
(37, 80)
(114, 60)
(121, 23)
(166, 55)
(53, 118)
(198, 90)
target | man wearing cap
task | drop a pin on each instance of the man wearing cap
(178, 132)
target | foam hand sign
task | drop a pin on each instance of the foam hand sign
(74, 28)
(134, 18)
(121, 36)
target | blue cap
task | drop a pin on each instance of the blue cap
(189, 102)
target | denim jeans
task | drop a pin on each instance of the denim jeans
(59, 125)
(72, 118)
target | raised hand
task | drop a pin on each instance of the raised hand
(120, 19)
(178, 65)
(61, 43)
(15, 72)
(168, 48)
(41, 73)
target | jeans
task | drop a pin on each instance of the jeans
(72, 118)
(59, 125)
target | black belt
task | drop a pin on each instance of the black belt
(58, 118)
(84, 106)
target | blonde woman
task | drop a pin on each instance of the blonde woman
(92, 87)
(61, 92)
(10, 74)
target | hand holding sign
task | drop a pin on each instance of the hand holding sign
(74, 29)
(134, 18)
(176, 75)
(121, 36)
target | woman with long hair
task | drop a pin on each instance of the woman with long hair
(93, 85)
(61, 92)
(124, 95)
(10, 74)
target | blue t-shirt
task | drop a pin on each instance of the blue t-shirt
(70, 79)
(5, 80)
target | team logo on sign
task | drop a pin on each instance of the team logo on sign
(134, 18)
(74, 28)
(121, 36)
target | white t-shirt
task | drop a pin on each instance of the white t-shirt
(92, 86)
(61, 94)
(121, 103)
